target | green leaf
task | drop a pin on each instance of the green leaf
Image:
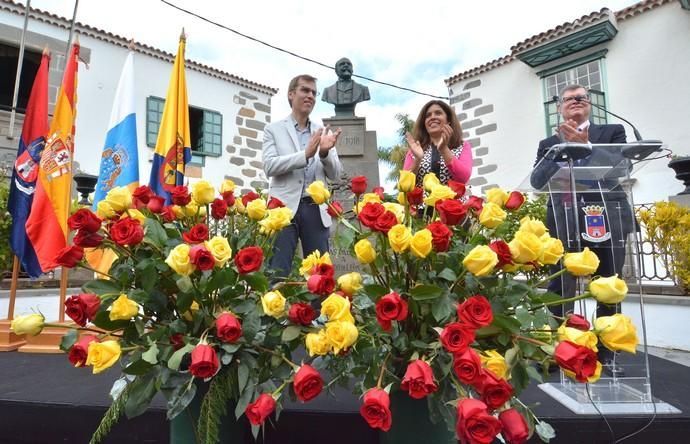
(230, 348)
(520, 378)
(142, 392)
(512, 355)
(258, 281)
(545, 431)
(101, 287)
(69, 339)
(534, 374)
(180, 401)
(442, 309)
(185, 284)
(176, 358)
(154, 233)
(151, 355)
(375, 291)
(242, 376)
(506, 323)
(290, 333)
(448, 275)
(426, 292)
(138, 367)
(343, 239)
(102, 320)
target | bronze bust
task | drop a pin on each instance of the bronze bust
(345, 93)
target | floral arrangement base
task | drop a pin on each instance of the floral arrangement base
(412, 424)
(9, 341)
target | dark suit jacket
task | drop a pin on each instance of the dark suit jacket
(618, 211)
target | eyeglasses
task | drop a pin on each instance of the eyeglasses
(305, 90)
(580, 98)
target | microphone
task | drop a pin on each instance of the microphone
(638, 137)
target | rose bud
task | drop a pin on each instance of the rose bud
(390, 307)
(358, 185)
(502, 250)
(259, 410)
(86, 239)
(418, 380)
(467, 366)
(84, 219)
(80, 350)
(229, 198)
(250, 196)
(456, 337)
(127, 231)
(515, 429)
(204, 361)
(458, 187)
(141, 196)
(168, 213)
(228, 327)
(249, 259)
(370, 212)
(379, 192)
(156, 204)
(335, 209)
(375, 409)
(476, 311)
(416, 196)
(475, 203)
(515, 201)
(578, 322)
(577, 361)
(177, 341)
(197, 234)
(274, 202)
(308, 383)
(82, 308)
(385, 222)
(494, 390)
(301, 313)
(474, 424)
(451, 212)
(440, 236)
(201, 257)
(321, 284)
(180, 195)
(69, 256)
(219, 209)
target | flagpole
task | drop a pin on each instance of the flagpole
(20, 63)
(13, 288)
(63, 292)
(71, 29)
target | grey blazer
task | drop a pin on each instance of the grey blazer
(284, 164)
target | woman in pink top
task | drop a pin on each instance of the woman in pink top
(436, 145)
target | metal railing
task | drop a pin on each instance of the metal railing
(652, 261)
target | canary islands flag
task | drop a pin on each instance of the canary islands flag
(46, 226)
(173, 146)
(25, 170)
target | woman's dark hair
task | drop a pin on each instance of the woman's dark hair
(422, 136)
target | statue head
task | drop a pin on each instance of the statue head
(343, 68)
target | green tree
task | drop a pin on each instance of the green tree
(394, 156)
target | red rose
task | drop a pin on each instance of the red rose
(177, 341)
(86, 239)
(274, 202)
(494, 390)
(379, 192)
(515, 428)
(458, 187)
(452, 212)
(416, 196)
(515, 201)
(127, 231)
(82, 307)
(156, 204)
(259, 410)
(301, 313)
(69, 256)
(418, 380)
(578, 322)
(475, 425)
(197, 234)
(335, 209)
(219, 209)
(250, 196)
(168, 213)
(80, 350)
(228, 327)
(229, 198)
(456, 337)
(475, 203)
(358, 185)
(577, 359)
(321, 284)
(390, 307)
(370, 212)
(467, 366)
(375, 409)
(308, 383)
(204, 361)
(180, 195)
(476, 311)
(249, 259)
(202, 258)
(141, 196)
(440, 236)
(385, 222)
(323, 269)
(502, 250)
(85, 220)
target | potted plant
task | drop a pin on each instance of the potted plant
(681, 165)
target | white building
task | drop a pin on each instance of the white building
(227, 113)
(639, 60)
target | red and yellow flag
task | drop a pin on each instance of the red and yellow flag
(46, 226)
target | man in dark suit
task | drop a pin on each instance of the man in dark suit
(608, 241)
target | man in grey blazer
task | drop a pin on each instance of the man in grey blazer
(297, 152)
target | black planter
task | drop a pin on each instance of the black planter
(86, 184)
(681, 166)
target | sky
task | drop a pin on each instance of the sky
(415, 44)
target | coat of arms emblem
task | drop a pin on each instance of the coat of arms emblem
(595, 224)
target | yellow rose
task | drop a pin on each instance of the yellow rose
(608, 290)
(581, 264)
(438, 192)
(350, 283)
(273, 304)
(525, 247)
(396, 209)
(533, 226)
(239, 206)
(203, 192)
(406, 182)
(193, 210)
(365, 199)
(317, 343)
(494, 361)
(429, 181)
(402, 198)
(179, 211)
(134, 214)
(123, 309)
(552, 252)
(178, 260)
(365, 252)
(277, 219)
(492, 215)
(337, 308)
(220, 249)
(584, 338)
(119, 198)
(104, 210)
(318, 192)
(314, 259)
(227, 185)
(28, 325)
(256, 209)
(399, 237)
(189, 314)
(480, 261)
(617, 332)
(421, 243)
(341, 335)
(102, 355)
(497, 196)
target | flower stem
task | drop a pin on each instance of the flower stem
(383, 368)
(549, 278)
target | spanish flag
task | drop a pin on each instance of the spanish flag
(173, 146)
(46, 226)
